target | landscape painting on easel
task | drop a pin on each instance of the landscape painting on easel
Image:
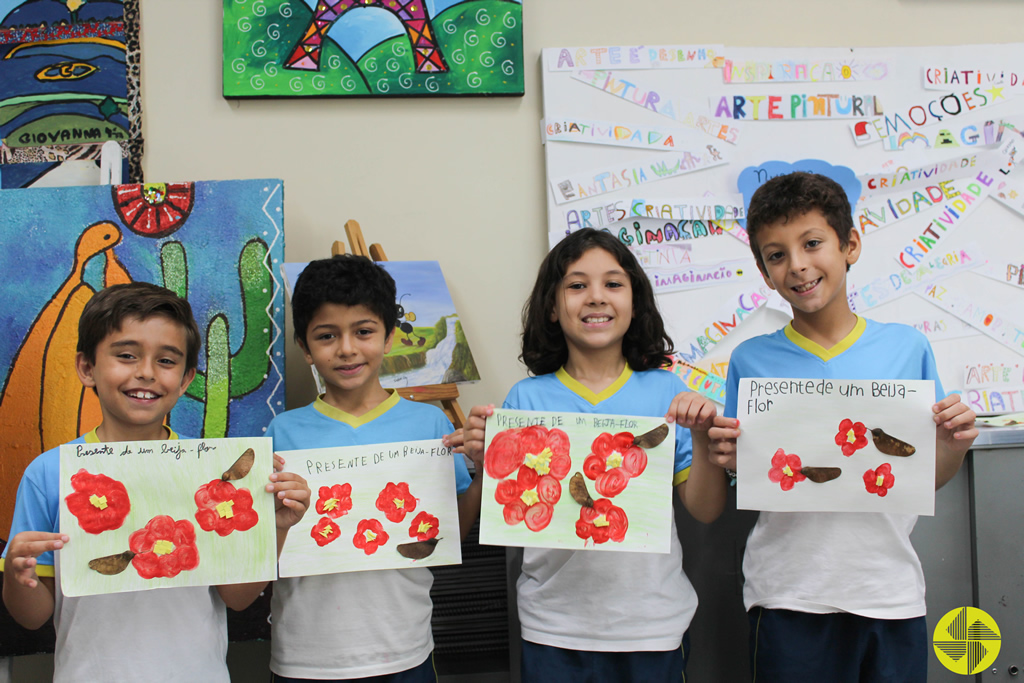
(430, 346)
(216, 243)
(350, 48)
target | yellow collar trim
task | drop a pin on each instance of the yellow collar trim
(820, 351)
(585, 393)
(351, 420)
(91, 437)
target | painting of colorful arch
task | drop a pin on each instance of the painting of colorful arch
(219, 244)
(332, 48)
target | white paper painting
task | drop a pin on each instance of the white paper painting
(836, 445)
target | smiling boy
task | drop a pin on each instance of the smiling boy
(344, 314)
(824, 606)
(138, 347)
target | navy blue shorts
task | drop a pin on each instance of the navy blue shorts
(424, 673)
(794, 647)
(544, 664)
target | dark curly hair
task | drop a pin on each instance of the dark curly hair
(107, 310)
(790, 196)
(347, 280)
(646, 344)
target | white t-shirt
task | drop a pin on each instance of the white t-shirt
(167, 634)
(821, 562)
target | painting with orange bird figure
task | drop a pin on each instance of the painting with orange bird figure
(219, 244)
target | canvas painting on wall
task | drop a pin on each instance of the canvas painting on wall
(219, 244)
(69, 73)
(830, 445)
(345, 48)
(383, 506)
(577, 481)
(160, 514)
(430, 346)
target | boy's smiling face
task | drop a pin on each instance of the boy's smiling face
(347, 345)
(138, 374)
(805, 263)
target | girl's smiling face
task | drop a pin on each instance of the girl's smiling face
(594, 304)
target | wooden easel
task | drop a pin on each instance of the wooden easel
(446, 394)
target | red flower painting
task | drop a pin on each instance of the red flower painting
(396, 502)
(370, 535)
(99, 502)
(602, 523)
(613, 461)
(530, 498)
(785, 470)
(424, 527)
(545, 451)
(164, 548)
(879, 480)
(325, 531)
(852, 436)
(223, 508)
(335, 501)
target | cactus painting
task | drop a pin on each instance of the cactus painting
(219, 244)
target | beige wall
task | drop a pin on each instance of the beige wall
(480, 212)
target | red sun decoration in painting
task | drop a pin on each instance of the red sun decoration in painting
(154, 209)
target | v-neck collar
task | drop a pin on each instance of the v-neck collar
(585, 393)
(816, 349)
(330, 411)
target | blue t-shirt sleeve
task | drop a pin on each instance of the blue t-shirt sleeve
(732, 385)
(684, 451)
(929, 371)
(33, 511)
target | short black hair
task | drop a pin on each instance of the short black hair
(787, 197)
(347, 280)
(107, 310)
(646, 344)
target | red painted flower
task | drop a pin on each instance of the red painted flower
(852, 436)
(325, 531)
(879, 480)
(223, 508)
(396, 502)
(335, 501)
(613, 461)
(785, 470)
(99, 502)
(370, 535)
(539, 448)
(424, 527)
(529, 498)
(154, 209)
(164, 548)
(604, 522)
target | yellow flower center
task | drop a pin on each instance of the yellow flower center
(601, 521)
(540, 462)
(529, 497)
(851, 436)
(369, 535)
(327, 531)
(224, 509)
(330, 504)
(424, 527)
(614, 460)
(788, 471)
(879, 480)
(163, 547)
(399, 502)
(98, 502)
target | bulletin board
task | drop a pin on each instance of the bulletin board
(670, 141)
